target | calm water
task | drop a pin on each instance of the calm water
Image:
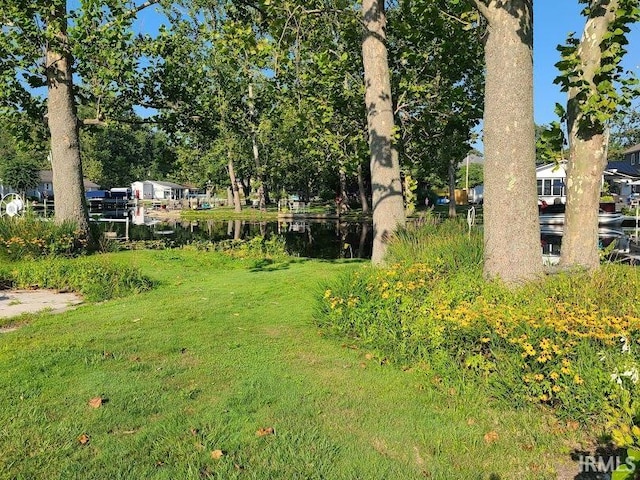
(317, 239)
(314, 239)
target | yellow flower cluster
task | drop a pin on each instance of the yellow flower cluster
(543, 335)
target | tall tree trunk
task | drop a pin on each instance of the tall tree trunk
(246, 190)
(511, 225)
(70, 202)
(362, 191)
(234, 186)
(386, 186)
(587, 156)
(342, 193)
(262, 188)
(452, 188)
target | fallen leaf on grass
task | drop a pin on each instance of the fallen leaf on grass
(84, 439)
(95, 402)
(471, 421)
(491, 436)
(217, 454)
(572, 426)
(265, 431)
(369, 356)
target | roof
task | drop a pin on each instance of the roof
(46, 176)
(634, 148)
(167, 184)
(562, 164)
(623, 168)
(473, 158)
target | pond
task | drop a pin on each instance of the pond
(328, 239)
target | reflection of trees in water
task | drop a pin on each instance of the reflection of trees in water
(316, 239)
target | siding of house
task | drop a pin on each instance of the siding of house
(550, 179)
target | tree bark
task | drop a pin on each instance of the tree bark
(511, 226)
(452, 188)
(386, 186)
(587, 157)
(362, 191)
(70, 202)
(262, 188)
(234, 186)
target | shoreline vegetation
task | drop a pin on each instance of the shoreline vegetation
(236, 360)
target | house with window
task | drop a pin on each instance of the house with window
(158, 190)
(550, 179)
(623, 179)
(45, 186)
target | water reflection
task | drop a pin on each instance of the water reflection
(318, 239)
(551, 241)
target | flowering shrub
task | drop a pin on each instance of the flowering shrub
(568, 341)
(33, 237)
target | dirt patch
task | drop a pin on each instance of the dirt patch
(17, 302)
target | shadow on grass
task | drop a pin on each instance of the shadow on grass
(598, 464)
(269, 265)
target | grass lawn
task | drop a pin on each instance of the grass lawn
(214, 354)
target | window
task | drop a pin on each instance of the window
(547, 186)
(539, 187)
(633, 159)
(558, 187)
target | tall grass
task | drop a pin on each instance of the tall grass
(447, 246)
(35, 237)
(93, 277)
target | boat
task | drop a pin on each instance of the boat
(604, 219)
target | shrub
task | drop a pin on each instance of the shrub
(256, 248)
(557, 342)
(34, 237)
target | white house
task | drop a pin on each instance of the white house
(622, 180)
(550, 179)
(157, 190)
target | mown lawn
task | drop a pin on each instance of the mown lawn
(219, 351)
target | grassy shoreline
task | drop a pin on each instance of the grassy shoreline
(222, 348)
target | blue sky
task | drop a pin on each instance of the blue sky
(553, 20)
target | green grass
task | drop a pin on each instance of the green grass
(217, 351)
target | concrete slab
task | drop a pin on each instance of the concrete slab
(17, 302)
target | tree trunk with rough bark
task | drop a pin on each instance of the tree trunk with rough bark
(386, 186)
(70, 203)
(511, 225)
(234, 186)
(587, 157)
(452, 188)
(262, 188)
(362, 191)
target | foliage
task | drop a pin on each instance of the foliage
(625, 132)
(33, 237)
(599, 95)
(550, 143)
(257, 248)
(476, 175)
(93, 277)
(556, 342)
(21, 174)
